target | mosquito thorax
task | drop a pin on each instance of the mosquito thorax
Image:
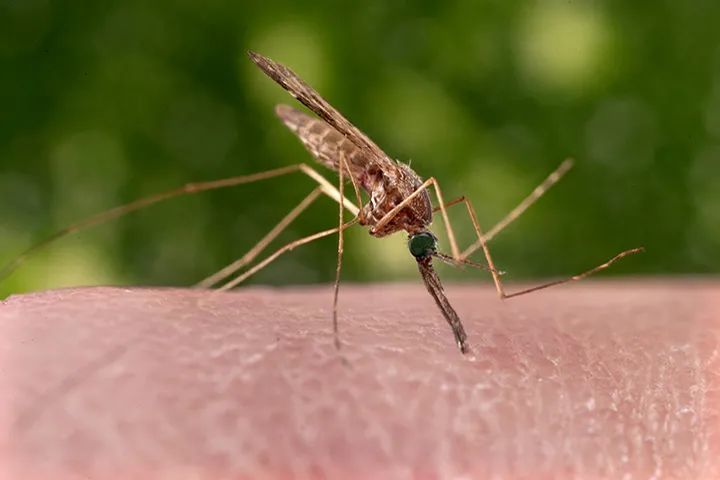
(422, 245)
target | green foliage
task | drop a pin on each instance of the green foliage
(105, 102)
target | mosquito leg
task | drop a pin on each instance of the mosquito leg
(336, 287)
(290, 246)
(119, 211)
(187, 189)
(486, 250)
(446, 220)
(538, 192)
(456, 201)
(326, 187)
(345, 168)
(579, 276)
(482, 241)
(496, 276)
(451, 203)
(262, 244)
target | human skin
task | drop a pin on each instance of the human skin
(592, 380)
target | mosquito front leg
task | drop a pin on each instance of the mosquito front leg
(482, 239)
(538, 192)
(483, 243)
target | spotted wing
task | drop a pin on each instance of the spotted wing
(287, 79)
(324, 142)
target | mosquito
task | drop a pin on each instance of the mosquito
(398, 199)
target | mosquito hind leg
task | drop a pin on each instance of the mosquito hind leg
(262, 244)
(116, 212)
(187, 189)
(324, 186)
(286, 248)
(340, 231)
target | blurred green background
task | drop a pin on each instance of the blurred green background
(105, 102)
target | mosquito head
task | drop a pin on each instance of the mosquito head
(422, 245)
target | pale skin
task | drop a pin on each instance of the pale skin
(599, 380)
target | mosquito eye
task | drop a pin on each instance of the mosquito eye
(422, 244)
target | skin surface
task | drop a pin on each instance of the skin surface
(593, 380)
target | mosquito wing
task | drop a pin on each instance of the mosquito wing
(433, 285)
(325, 143)
(287, 79)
